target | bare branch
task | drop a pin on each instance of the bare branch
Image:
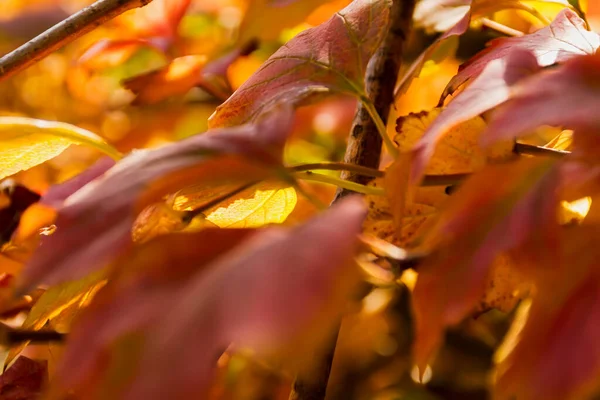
(63, 33)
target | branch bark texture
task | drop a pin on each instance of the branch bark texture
(364, 149)
(63, 33)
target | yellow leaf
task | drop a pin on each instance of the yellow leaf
(504, 287)
(563, 141)
(458, 151)
(56, 300)
(262, 204)
(27, 142)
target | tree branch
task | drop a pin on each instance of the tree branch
(364, 149)
(63, 33)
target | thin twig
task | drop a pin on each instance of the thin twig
(338, 166)
(11, 336)
(506, 30)
(63, 33)
(341, 183)
(531, 150)
(364, 149)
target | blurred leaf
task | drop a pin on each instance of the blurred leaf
(281, 15)
(54, 301)
(24, 380)
(243, 154)
(502, 208)
(560, 329)
(259, 275)
(19, 199)
(330, 57)
(565, 38)
(565, 97)
(27, 142)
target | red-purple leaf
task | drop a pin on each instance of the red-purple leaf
(57, 194)
(565, 38)
(567, 96)
(330, 57)
(556, 355)
(501, 208)
(94, 225)
(262, 293)
(487, 91)
(24, 380)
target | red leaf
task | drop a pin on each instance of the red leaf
(331, 56)
(94, 224)
(57, 194)
(566, 96)
(501, 208)
(262, 293)
(137, 296)
(565, 38)
(556, 355)
(24, 380)
(488, 90)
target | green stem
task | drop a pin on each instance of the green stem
(338, 166)
(370, 107)
(355, 187)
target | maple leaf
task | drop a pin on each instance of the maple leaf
(566, 37)
(329, 57)
(501, 208)
(104, 209)
(169, 273)
(24, 380)
(550, 353)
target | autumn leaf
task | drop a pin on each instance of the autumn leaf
(560, 329)
(500, 208)
(280, 14)
(154, 26)
(330, 57)
(247, 153)
(252, 207)
(565, 97)
(184, 73)
(565, 38)
(54, 301)
(27, 142)
(255, 312)
(491, 88)
(24, 380)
